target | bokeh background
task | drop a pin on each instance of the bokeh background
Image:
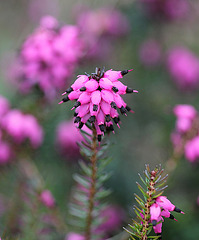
(149, 33)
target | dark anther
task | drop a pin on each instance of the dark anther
(77, 119)
(124, 72)
(75, 114)
(177, 210)
(69, 90)
(154, 222)
(108, 118)
(129, 90)
(128, 108)
(82, 89)
(102, 127)
(95, 108)
(99, 138)
(66, 99)
(171, 216)
(81, 124)
(99, 88)
(77, 104)
(111, 128)
(123, 110)
(92, 119)
(115, 89)
(116, 120)
(113, 105)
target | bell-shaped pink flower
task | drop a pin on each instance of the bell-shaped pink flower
(6, 153)
(155, 211)
(74, 236)
(98, 98)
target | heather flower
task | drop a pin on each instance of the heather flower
(67, 136)
(6, 153)
(47, 199)
(22, 126)
(161, 208)
(4, 106)
(98, 98)
(48, 57)
(150, 53)
(183, 66)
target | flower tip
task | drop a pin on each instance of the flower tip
(175, 220)
(63, 93)
(130, 70)
(60, 102)
(118, 125)
(135, 91)
(182, 212)
(132, 111)
(72, 108)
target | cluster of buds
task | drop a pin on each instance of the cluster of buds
(48, 57)
(15, 128)
(161, 208)
(186, 134)
(97, 99)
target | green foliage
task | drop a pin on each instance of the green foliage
(79, 206)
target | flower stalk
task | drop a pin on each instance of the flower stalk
(92, 191)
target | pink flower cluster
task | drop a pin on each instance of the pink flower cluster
(186, 116)
(97, 99)
(99, 28)
(18, 127)
(48, 57)
(170, 9)
(161, 208)
(183, 65)
(67, 136)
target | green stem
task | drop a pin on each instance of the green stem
(92, 191)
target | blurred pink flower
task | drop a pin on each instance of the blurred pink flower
(4, 106)
(47, 199)
(185, 115)
(67, 136)
(74, 236)
(183, 66)
(150, 53)
(192, 150)
(113, 218)
(22, 126)
(48, 57)
(6, 153)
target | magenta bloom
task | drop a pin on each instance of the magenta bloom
(98, 98)
(161, 208)
(150, 53)
(67, 136)
(183, 66)
(192, 149)
(22, 126)
(48, 57)
(47, 199)
(6, 153)
(185, 116)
